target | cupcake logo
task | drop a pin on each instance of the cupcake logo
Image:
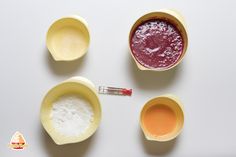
(18, 141)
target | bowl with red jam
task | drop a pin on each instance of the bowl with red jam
(158, 40)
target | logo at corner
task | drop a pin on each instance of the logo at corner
(18, 141)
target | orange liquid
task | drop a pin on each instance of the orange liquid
(159, 120)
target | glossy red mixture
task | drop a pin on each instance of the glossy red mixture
(157, 44)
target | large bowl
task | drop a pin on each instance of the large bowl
(166, 14)
(75, 85)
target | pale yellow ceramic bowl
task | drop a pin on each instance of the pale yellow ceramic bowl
(68, 38)
(170, 15)
(175, 105)
(74, 85)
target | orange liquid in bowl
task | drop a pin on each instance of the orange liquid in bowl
(159, 120)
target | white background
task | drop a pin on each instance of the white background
(205, 81)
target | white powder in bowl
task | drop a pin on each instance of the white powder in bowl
(71, 115)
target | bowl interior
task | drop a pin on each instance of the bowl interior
(68, 39)
(175, 107)
(69, 88)
(172, 18)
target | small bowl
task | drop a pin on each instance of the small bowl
(76, 85)
(173, 17)
(172, 103)
(68, 38)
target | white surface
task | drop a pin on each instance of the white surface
(205, 81)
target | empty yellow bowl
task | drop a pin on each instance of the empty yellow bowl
(162, 118)
(74, 85)
(68, 38)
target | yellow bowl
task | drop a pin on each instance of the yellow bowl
(74, 85)
(173, 103)
(172, 16)
(68, 38)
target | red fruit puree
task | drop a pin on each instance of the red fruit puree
(157, 44)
